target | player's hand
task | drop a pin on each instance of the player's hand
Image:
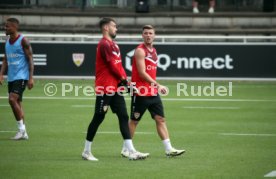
(1, 79)
(30, 84)
(123, 86)
(128, 86)
(162, 89)
(124, 83)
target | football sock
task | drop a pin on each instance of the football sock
(21, 125)
(129, 145)
(167, 144)
(87, 146)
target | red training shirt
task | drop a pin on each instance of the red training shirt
(109, 69)
(151, 59)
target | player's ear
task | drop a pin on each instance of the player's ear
(105, 27)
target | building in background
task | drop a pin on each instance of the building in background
(172, 5)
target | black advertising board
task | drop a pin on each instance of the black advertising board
(175, 60)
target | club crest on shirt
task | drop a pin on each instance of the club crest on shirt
(78, 58)
(136, 115)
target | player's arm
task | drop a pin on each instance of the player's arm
(141, 68)
(29, 54)
(106, 52)
(3, 69)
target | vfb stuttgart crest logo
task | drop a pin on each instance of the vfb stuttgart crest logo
(78, 59)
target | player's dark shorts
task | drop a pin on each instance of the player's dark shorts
(17, 87)
(203, 2)
(139, 104)
(116, 102)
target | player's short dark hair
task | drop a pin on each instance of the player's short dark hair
(105, 20)
(148, 27)
(13, 20)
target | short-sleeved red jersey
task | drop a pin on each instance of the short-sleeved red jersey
(109, 69)
(151, 60)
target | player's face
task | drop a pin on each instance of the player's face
(112, 29)
(10, 28)
(148, 36)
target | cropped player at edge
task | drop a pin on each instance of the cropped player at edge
(144, 68)
(18, 61)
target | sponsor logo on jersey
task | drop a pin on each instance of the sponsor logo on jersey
(151, 67)
(12, 55)
(117, 61)
(14, 63)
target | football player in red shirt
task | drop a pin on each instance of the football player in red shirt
(144, 68)
(110, 75)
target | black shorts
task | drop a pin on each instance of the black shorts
(139, 104)
(200, 2)
(116, 102)
(17, 87)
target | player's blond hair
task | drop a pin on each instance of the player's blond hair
(148, 27)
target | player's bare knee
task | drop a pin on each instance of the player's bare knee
(159, 119)
(12, 99)
(134, 122)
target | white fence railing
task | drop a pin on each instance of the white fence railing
(159, 38)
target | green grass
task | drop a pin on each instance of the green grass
(57, 133)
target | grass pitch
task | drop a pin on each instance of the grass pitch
(224, 136)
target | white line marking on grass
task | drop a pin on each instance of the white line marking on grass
(271, 174)
(115, 132)
(217, 100)
(205, 107)
(4, 105)
(164, 99)
(240, 134)
(110, 132)
(82, 106)
(52, 98)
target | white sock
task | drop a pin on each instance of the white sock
(129, 145)
(21, 125)
(87, 146)
(167, 144)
